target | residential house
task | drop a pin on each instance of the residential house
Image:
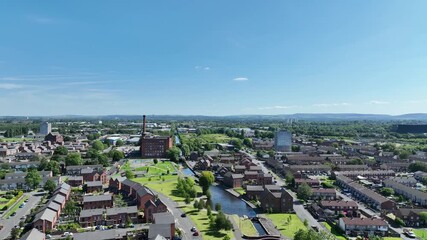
(75, 181)
(121, 215)
(91, 217)
(233, 180)
(323, 194)
(95, 186)
(363, 226)
(278, 202)
(33, 234)
(45, 220)
(347, 208)
(98, 201)
(412, 194)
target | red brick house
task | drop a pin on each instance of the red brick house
(121, 215)
(95, 186)
(75, 181)
(45, 220)
(347, 208)
(152, 207)
(54, 137)
(233, 180)
(278, 202)
(314, 183)
(91, 217)
(90, 175)
(98, 201)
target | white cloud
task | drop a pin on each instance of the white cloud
(378, 102)
(331, 104)
(41, 20)
(276, 107)
(206, 68)
(9, 86)
(241, 79)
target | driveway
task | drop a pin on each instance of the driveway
(8, 224)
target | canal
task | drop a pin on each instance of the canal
(229, 203)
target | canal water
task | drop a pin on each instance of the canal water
(229, 203)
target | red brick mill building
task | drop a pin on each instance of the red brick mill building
(154, 146)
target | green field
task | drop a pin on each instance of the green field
(14, 140)
(245, 225)
(15, 207)
(421, 233)
(240, 191)
(287, 229)
(199, 218)
(206, 138)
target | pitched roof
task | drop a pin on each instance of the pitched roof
(120, 210)
(163, 218)
(33, 234)
(47, 214)
(91, 212)
(159, 229)
(338, 204)
(58, 199)
(96, 198)
(94, 184)
(364, 221)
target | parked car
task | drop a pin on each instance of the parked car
(196, 233)
(66, 234)
(193, 229)
(183, 215)
(13, 214)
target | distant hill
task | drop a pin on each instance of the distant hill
(417, 117)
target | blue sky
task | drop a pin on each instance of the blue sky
(212, 57)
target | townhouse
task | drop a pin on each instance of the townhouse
(410, 216)
(347, 208)
(95, 186)
(121, 215)
(98, 201)
(366, 195)
(314, 183)
(370, 174)
(278, 202)
(363, 226)
(323, 194)
(412, 194)
(91, 217)
(45, 220)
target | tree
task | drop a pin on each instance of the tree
(206, 180)
(304, 191)
(73, 159)
(218, 207)
(399, 222)
(201, 205)
(289, 177)
(386, 191)
(295, 148)
(247, 142)
(226, 237)
(423, 217)
(70, 208)
(54, 167)
(33, 179)
(222, 222)
(173, 154)
(49, 186)
(208, 209)
(129, 174)
(16, 231)
(310, 234)
(119, 143)
(237, 143)
(97, 145)
(155, 161)
(196, 204)
(61, 150)
(185, 149)
(116, 155)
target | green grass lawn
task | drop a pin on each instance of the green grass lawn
(287, 229)
(391, 238)
(421, 233)
(334, 231)
(245, 225)
(206, 138)
(14, 140)
(240, 191)
(12, 210)
(200, 218)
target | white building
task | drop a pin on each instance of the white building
(45, 128)
(283, 141)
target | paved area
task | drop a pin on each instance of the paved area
(8, 224)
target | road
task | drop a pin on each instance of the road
(183, 223)
(8, 224)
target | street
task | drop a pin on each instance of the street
(183, 223)
(8, 224)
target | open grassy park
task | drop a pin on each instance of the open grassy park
(421, 233)
(287, 224)
(245, 225)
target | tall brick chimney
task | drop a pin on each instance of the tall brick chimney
(143, 125)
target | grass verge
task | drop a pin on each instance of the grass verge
(15, 207)
(287, 224)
